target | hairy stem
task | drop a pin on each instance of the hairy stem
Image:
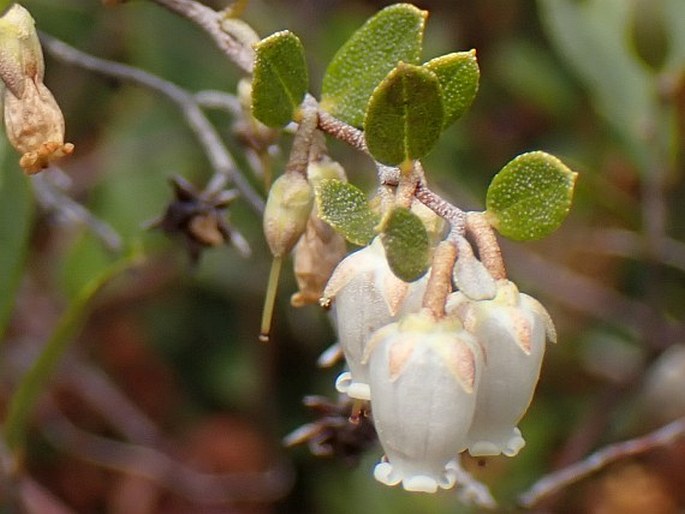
(488, 248)
(440, 280)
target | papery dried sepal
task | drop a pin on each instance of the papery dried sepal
(34, 123)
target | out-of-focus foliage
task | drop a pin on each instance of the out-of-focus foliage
(601, 83)
(16, 205)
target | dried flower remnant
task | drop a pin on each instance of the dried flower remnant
(333, 434)
(33, 121)
(197, 217)
(320, 248)
(315, 256)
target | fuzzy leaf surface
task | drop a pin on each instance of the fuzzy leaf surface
(280, 78)
(405, 115)
(458, 74)
(394, 34)
(530, 197)
(345, 208)
(406, 244)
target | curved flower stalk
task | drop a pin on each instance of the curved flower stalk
(512, 329)
(367, 296)
(423, 378)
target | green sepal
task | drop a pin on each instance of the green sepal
(394, 34)
(406, 244)
(345, 208)
(405, 115)
(280, 78)
(530, 197)
(458, 74)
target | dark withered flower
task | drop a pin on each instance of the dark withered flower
(341, 429)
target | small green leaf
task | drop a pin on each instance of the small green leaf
(16, 209)
(406, 244)
(458, 74)
(530, 197)
(394, 34)
(345, 208)
(404, 117)
(280, 78)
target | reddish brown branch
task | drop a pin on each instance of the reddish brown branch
(555, 482)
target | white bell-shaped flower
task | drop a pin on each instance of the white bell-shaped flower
(423, 377)
(512, 329)
(366, 296)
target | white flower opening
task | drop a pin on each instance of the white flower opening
(423, 377)
(512, 330)
(366, 296)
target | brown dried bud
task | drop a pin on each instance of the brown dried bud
(320, 248)
(315, 256)
(35, 127)
(33, 121)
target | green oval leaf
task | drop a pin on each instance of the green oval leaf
(404, 117)
(280, 78)
(345, 208)
(458, 74)
(530, 197)
(406, 244)
(394, 34)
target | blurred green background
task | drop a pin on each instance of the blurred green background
(599, 83)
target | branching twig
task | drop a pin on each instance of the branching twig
(210, 21)
(35, 498)
(625, 243)
(213, 99)
(221, 160)
(53, 198)
(451, 213)
(173, 475)
(97, 390)
(558, 480)
(342, 131)
(589, 296)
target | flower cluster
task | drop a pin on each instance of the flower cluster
(438, 383)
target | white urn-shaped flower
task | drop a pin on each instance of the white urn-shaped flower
(512, 329)
(366, 296)
(423, 375)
